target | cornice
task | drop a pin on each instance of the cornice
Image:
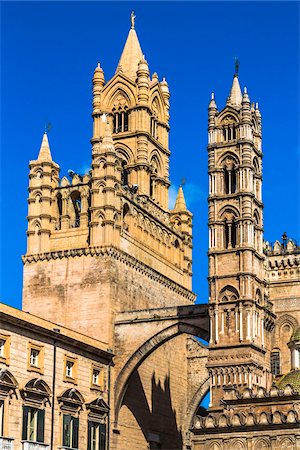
(118, 255)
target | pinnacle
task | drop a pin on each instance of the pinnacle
(180, 204)
(131, 56)
(45, 154)
(235, 96)
(107, 141)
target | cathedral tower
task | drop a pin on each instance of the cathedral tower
(240, 313)
(81, 225)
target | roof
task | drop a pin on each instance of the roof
(292, 378)
(131, 55)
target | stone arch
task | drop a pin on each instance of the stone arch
(229, 114)
(261, 444)
(228, 211)
(156, 162)
(228, 157)
(256, 165)
(228, 293)
(124, 152)
(8, 383)
(198, 396)
(116, 87)
(157, 103)
(148, 347)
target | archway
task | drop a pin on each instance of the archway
(144, 351)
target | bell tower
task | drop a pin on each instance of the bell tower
(138, 107)
(96, 241)
(240, 313)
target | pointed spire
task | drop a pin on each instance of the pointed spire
(45, 154)
(132, 53)
(235, 96)
(180, 204)
(212, 103)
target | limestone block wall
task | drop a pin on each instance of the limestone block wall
(83, 290)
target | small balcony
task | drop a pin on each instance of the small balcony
(29, 445)
(6, 443)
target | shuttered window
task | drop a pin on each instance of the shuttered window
(70, 431)
(96, 436)
(33, 424)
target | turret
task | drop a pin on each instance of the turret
(105, 192)
(43, 178)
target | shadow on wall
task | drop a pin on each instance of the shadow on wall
(159, 424)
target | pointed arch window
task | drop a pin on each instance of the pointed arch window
(76, 200)
(229, 130)
(124, 174)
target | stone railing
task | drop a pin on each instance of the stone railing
(6, 443)
(27, 445)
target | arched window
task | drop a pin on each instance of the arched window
(125, 210)
(59, 211)
(76, 200)
(124, 175)
(229, 132)
(275, 362)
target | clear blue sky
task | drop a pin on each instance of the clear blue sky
(48, 54)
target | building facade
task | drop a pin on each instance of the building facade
(108, 258)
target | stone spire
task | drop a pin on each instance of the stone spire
(132, 53)
(235, 96)
(45, 154)
(180, 204)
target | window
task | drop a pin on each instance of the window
(120, 121)
(230, 180)
(69, 369)
(124, 174)
(95, 377)
(70, 373)
(275, 363)
(33, 424)
(34, 357)
(96, 436)
(75, 214)
(70, 431)
(2, 343)
(230, 233)
(4, 348)
(153, 127)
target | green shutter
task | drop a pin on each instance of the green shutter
(40, 425)
(102, 437)
(90, 425)
(75, 432)
(66, 430)
(25, 423)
